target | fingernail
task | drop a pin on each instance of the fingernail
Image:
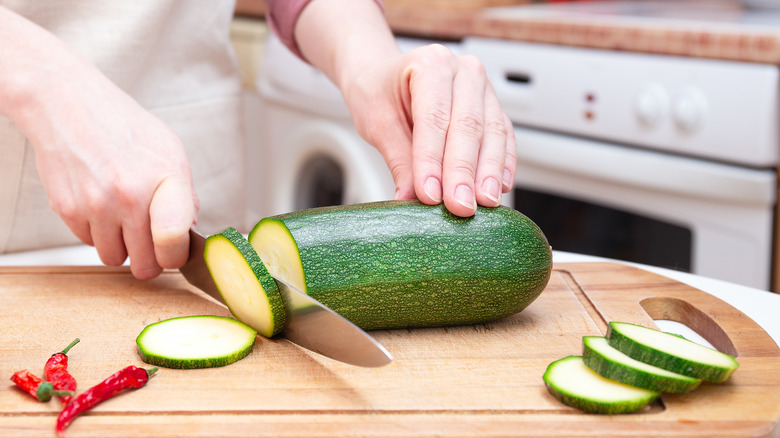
(491, 190)
(507, 179)
(432, 188)
(465, 196)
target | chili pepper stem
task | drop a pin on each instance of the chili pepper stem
(151, 371)
(65, 351)
(46, 391)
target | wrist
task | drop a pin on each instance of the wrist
(343, 38)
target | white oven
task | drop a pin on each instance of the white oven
(662, 160)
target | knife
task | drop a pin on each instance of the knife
(310, 324)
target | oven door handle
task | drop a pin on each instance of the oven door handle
(648, 170)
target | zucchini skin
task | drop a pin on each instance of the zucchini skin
(403, 264)
(264, 279)
(591, 402)
(707, 372)
(629, 375)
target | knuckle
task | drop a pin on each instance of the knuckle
(496, 127)
(494, 163)
(125, 192)
(398, 168)
(464, 168)
(66, 209)
(436, 53)
(95, 202)
(437, 119)
(430, 156)
(469, 124)
(472, 64)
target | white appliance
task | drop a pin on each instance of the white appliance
(667, 161)
(303, 150)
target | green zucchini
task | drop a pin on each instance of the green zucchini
(195, 342)
(403, 264)
(248, 289)
(671, 352)
(574, 384)
(608, 362)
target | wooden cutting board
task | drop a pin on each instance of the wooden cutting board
(482, 380)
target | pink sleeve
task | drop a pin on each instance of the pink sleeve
(282, 16)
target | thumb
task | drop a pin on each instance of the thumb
(172, 213)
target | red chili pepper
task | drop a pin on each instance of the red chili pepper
(56, 372)
(127, 378)
(40, 389)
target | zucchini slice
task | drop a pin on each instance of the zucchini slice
(195, 342)
(671, 352)
(608, 362)
(248, 289)
(574, 384)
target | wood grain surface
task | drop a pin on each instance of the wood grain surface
(481, 380)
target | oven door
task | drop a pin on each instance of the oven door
(631, 204)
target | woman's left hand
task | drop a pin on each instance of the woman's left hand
(433, 115)
(436, 119)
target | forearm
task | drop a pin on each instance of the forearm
(26, 66)
(42, 80)
(340, 37)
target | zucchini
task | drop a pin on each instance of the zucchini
(403, 264)
(608, 362)
(195, 342)
(574, 384)
(248, 289)
(671, 352)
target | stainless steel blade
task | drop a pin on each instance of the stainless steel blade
(314, 326)
(195, 270)
(310, 324)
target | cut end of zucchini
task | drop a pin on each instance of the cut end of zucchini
(574, 384)
(611, 363)
(248, 289)
(278, 250)
(195, 342)
(671, 352)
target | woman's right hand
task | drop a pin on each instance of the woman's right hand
(116, 175)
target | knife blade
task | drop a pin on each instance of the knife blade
(310, 324)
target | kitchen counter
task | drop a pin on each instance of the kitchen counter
(716, 30)
(439, 19)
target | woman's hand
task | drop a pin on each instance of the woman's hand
(115, 174)
(432, 114)
(435, 118)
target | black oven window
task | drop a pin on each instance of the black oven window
(321, 184)
(585, 228)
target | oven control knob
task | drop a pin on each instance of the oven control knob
(689, 109)
(651, 104)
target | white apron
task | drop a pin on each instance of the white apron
(174, 57)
